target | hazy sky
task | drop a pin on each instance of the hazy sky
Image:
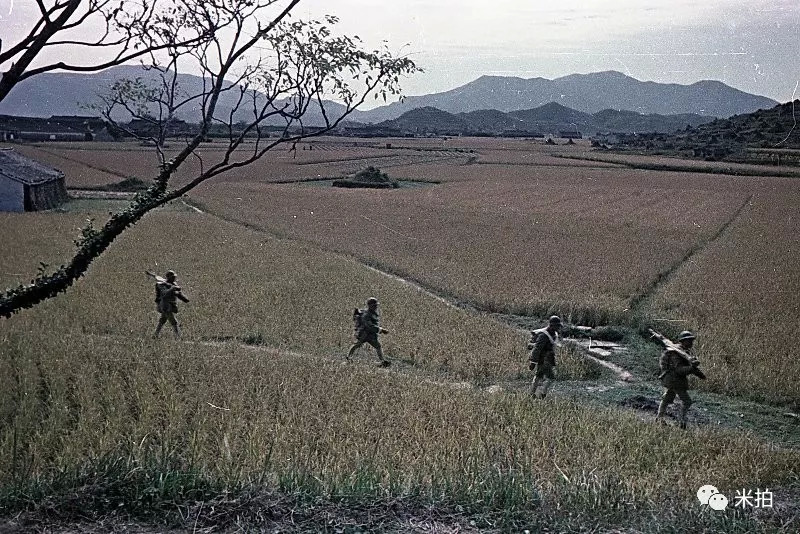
(752, 45)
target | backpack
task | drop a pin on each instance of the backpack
(358, 320)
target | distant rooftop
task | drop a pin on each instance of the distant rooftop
(23, 169)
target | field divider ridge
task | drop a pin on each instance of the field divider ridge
(688, 168)
(638, 300)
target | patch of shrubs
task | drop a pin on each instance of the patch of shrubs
(369, 177)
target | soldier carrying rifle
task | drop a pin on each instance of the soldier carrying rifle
(542, 358)
(167, 293)
(676, 364)
(367, 328)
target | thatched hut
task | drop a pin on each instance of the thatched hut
(27, 185)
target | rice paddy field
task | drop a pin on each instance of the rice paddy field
(254, 420)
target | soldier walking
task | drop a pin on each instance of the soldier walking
(676, 364)
(543, 356)
(167, 293)
(367, 328)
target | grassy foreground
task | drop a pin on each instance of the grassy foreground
(159, 422)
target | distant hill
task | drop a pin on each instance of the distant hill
(429, 119)
(611, 120)
(550, 118)
(554, 117)
(68, 93)
(747, 137)
(490, 120)
(588, 93)
(552, 112)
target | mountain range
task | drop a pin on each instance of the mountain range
(589, 93)
(550, 118)
(69, 93)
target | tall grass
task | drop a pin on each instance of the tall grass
(196, 417)
(253, 288)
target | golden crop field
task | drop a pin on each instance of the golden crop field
(513, 228)
(520, 240)
(257, 287)
(257, 393)
(587, 242)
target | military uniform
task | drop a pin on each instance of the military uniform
(367, 330)
(543, 356)
(167, 294)
(675, 369)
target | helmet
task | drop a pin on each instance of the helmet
(554, 320)
(685, 335)
(372, 301)
(170, 275)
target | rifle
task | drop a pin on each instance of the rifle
(162, 280)
(674, 347)
(158, 279)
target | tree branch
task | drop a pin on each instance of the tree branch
(306, 64)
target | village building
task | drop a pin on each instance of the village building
(18, 128)
(570, 134)
(513, 132)
(80, 122)
(27, 185)
(609, 138)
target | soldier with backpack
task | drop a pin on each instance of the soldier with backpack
(543, 356)
(367, 328)
(677, 362)
(167, 293)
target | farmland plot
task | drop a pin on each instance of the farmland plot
(520, 240)
(91, 402)
(78, 172)
(87, 165)
(281, 165)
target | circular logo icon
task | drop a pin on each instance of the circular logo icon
(705, 492)
(718, 502)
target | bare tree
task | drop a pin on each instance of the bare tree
(267, 69)
(104, 33)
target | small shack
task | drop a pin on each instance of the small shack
(27, 185)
